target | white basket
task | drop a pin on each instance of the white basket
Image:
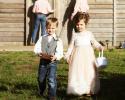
(101, 60)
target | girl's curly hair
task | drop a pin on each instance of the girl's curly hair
(79, 16)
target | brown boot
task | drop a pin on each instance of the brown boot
(52, 98)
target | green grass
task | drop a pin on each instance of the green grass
(18, 77)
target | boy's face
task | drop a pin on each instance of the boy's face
(80, 26)
(51, 29)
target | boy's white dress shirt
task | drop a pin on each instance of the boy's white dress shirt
(59, 48)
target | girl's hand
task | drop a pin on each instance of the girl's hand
(66, 57)
(101, 48)
(68, 61)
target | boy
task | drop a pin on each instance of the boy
(50, 50)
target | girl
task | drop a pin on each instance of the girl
(82, 75)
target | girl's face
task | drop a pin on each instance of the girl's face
(80, 26)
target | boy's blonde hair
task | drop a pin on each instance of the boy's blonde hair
(51, 20)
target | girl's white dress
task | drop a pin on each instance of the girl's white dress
(82, 75)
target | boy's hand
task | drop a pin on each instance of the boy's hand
(45, 56)
(52, 57)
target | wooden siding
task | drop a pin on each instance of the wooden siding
(12, 21)
(101, 19)
(120, 21)
(107, 20)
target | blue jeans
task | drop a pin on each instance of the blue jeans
(47, 72)
(40, 19)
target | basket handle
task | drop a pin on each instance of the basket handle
(101, 53)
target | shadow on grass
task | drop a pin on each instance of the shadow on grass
(16, 88)
(112, 88)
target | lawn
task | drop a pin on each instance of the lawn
(18, 77)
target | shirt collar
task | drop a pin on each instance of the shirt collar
(54, 36)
